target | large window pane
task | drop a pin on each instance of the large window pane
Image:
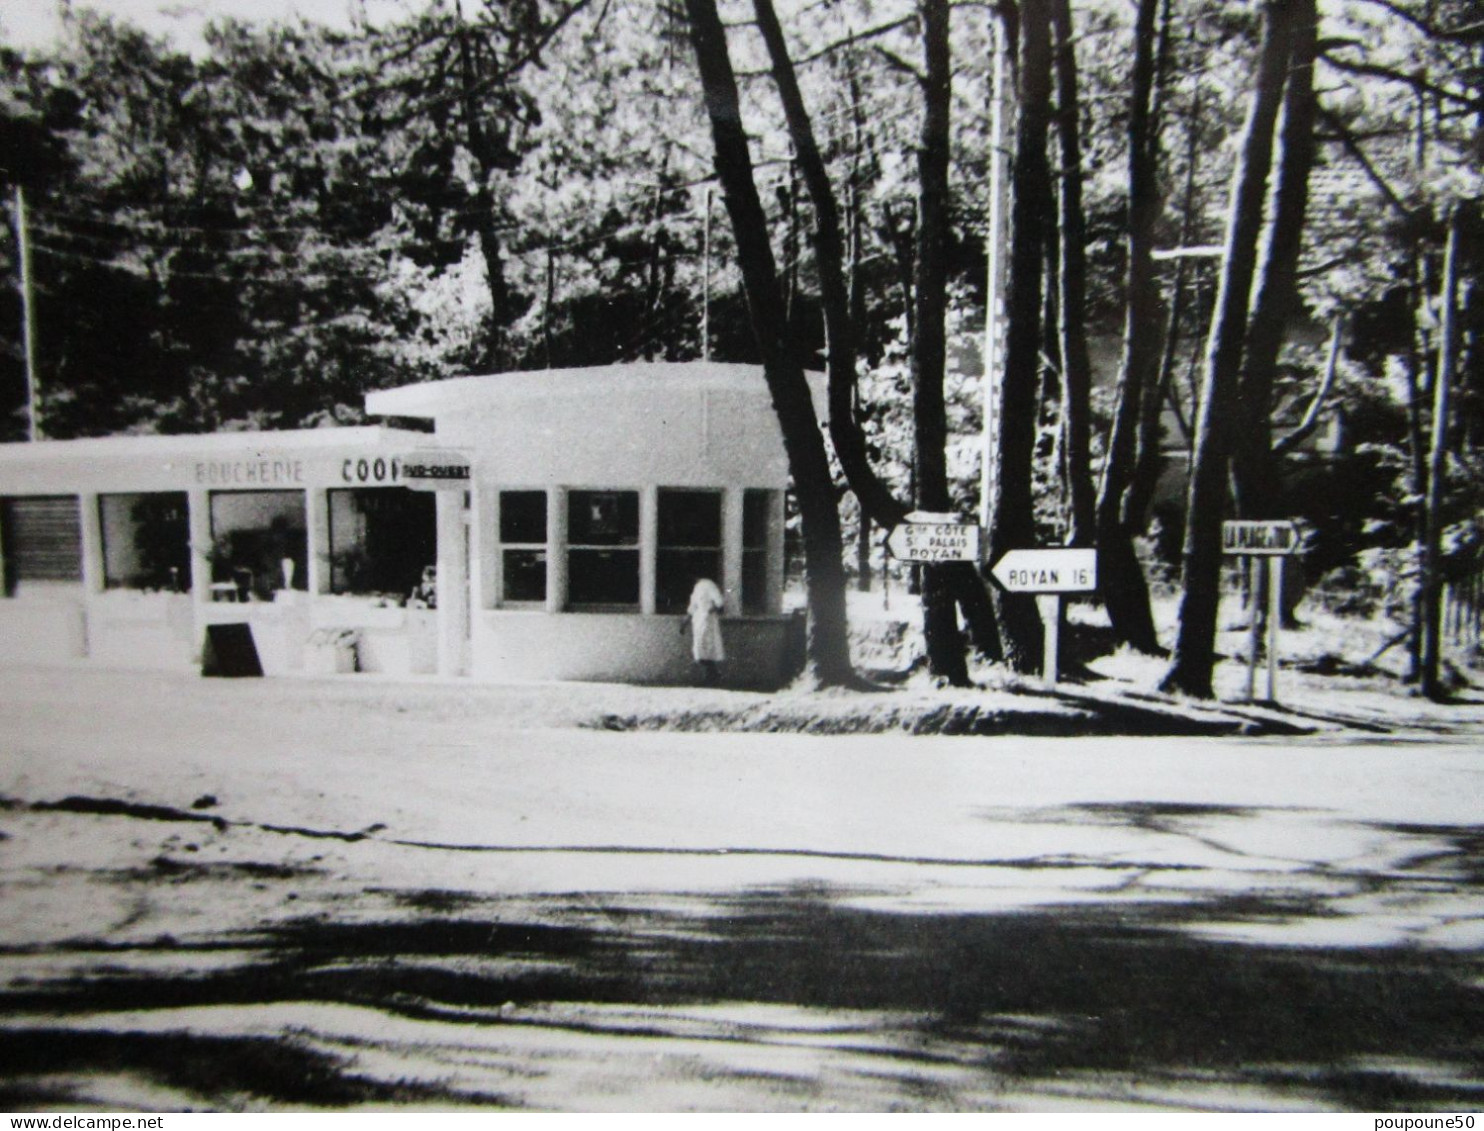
(523, 539)
(252, 534)
(42, 538)
(603, 577)
(381, 540)
(598, 572)
(603, 518)
(146, 541)
(757, 517)
(523, 517)
(689, 535)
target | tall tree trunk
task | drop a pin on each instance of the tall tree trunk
(945, 644)
(1432, 547)
(1120, 576)
(842, 321)
(1076, 369)
(1149, 463)
(1013, 525)
(829, 249)
(1200, 595)
(828, 645)
(1255, 475)
(494, 347)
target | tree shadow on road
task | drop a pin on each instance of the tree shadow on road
(1108, 997)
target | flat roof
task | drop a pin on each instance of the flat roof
(208, 443)
(430, 398)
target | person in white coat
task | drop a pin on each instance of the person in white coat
(704, 614)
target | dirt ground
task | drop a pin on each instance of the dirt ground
(350, 894)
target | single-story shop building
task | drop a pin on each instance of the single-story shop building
(551, 526)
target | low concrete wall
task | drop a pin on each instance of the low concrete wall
(627, 648)
(144, 631)
(47, 629)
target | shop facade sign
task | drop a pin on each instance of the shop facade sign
(437, 471)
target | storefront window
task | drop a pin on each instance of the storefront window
(146, 541)
(603, 548)
(757, 515)
(523, 545)
(381, 540)
(42, 539)
(259, 541)
(689, 545)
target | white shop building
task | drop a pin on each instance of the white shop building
(567, 514)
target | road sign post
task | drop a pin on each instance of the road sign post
(1048, 573)
(1273, 540)
(934, 538)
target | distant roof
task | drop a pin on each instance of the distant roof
(299, 439)
(433, 397)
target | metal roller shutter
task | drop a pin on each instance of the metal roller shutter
(42, 539)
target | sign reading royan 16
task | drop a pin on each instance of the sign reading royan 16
(1052, 570)
(934, 542)
(437, 471)
(1279, 537)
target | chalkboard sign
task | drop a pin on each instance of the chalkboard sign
(230, 651)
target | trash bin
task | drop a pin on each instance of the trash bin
(331, 651)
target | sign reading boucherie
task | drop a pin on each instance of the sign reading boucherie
(1279, 537)
(437, 471)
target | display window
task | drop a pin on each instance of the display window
(603, 549)
(41, 536)
(146, 541)
(383, 540)
(688, 543)
(757, 519)
(259, 542)
(523, 547)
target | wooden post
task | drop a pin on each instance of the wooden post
(998, 267)
(1254, 575)
(706, 278)
(28, 318)
(1049, 606)
(1275, 622)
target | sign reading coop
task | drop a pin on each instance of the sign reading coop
(437, 471)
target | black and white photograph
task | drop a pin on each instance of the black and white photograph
(718, 556)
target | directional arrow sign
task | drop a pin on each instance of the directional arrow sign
(934, 542)
(1278, 537)
(1058, 570)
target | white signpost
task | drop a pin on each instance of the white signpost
(1273, 540)
(929, 537)
(1048, 573)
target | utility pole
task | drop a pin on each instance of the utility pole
(1432, 550)
(28, 317)
(706, 277)
(998, 256)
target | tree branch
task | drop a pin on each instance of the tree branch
(1310, 421)
(1416, 82)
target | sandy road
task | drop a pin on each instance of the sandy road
(225, 895)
